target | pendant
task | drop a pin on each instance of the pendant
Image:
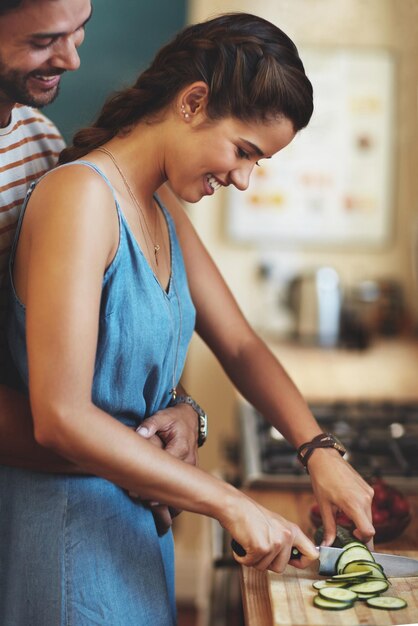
(173, 392)
(156, 251)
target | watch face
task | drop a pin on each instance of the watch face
(337, 444)
(203, 429)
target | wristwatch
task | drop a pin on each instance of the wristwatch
(201, 416)
(324, 440)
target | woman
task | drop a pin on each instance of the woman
(107, 290)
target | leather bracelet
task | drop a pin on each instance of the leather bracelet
(323, 440)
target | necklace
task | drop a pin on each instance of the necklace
(138, 209)
(173, 390)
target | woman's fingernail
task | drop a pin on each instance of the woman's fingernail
(142, 430)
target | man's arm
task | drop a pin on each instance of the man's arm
(176, 427)
(18, 447)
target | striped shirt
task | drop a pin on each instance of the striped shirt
(29, 147)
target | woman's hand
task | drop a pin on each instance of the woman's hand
(337, 486)
(267, 538)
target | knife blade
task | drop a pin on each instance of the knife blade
(394, 566)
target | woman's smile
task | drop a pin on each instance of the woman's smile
(212, 183)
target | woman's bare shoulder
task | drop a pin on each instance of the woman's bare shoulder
(71, 190)
(72, 180)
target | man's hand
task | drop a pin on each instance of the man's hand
(175, 429)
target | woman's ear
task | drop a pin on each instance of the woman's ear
(193, 100)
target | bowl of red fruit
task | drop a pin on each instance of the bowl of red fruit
(390, 512)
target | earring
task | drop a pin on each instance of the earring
(185, 114)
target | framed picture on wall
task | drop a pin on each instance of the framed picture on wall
(334, 183)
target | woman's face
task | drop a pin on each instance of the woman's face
(213, 154)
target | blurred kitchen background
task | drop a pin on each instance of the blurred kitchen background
(321, 253)
(344, 277)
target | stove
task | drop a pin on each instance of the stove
(381, 439)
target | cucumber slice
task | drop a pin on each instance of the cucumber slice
(370, 586)
(356, 553)
(338, 594)
(319, 584)
(347, 582)
(359, 564)
(390, 603)
(366, 596)
(362, 573)
(374, 569)
(331, 605)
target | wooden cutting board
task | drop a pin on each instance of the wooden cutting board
(291, 596)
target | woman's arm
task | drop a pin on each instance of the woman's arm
(261, 379)
(176, 427)
(69, 236)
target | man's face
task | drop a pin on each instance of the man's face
(38, 43)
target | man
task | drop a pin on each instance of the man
(39, 41)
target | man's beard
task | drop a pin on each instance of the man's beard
(13, 85)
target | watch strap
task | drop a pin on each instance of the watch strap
(323, 440)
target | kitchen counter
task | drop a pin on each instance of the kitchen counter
(295, 507)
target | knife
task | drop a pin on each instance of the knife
(394, 566)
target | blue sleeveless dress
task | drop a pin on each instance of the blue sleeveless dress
(77, 550)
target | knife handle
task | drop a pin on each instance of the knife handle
(237, 548)
(295, 555)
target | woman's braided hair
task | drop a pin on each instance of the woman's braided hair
(252, 68)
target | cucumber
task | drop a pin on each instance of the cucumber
(390, 603)
(370, 586)
(355, 553)
(342, 537)
(331, 605)
(357, 577)
(351, 544)
(338, 594)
